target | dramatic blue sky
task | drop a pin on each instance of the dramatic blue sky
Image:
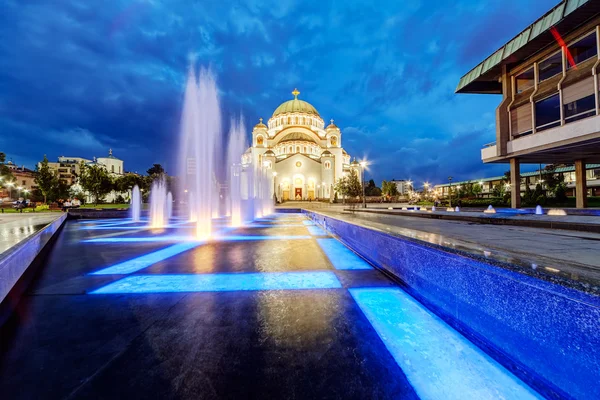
(80, 76)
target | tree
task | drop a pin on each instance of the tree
(371, 189)
(389, 189)
(155, 170)
(354, 186)
(341, 187)
(96, 181)
(44, 178)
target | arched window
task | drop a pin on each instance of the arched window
(290, 149)
(297, 149)
(305, 150)
(289, 120)
(327, 164)
(259, 140)
(333, 140)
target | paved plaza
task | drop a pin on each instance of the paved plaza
(277, 309)
(572, 254)
(15, 228)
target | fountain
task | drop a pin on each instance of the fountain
(158, 203)
(136, 204)
(200, 133)
(538, 210)
(169, 205)
(490, 210)
(235, 149)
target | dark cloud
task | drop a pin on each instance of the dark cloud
(80, 76)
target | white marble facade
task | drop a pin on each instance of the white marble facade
(303, 157)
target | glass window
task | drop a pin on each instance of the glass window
(547, 112)
(524, 80)
(582, 50)
(579, 109)
(550, 67)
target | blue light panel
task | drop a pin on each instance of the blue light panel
(342, 257)
(436, 359)
(316, 231)
(308, 222)
(180, 238)
(147, 260)
(222, 282)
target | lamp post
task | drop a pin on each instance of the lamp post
(363, 164)
(450, 192)
(19, 188)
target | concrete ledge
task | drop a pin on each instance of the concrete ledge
(490, 220)
(546, 334)
(15, 262)
(91, 213)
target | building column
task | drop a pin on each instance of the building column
(515, 183)
(580, 184)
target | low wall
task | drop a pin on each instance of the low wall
(546, 334)
(14, 263)
(101, 213)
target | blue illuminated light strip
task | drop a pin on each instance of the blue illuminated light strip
(308, 222)
(316, 231)
(342, 257)
(436, 359)
(222, 282)
(147, 260)
(180, 238)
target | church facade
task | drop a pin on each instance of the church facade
(303, 157)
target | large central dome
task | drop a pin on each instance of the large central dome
(296, 106)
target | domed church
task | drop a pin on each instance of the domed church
(304, 157)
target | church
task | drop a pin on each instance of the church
(303, 157)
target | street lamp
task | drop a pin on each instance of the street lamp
(363, 164)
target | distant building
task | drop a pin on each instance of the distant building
(403, 186)
(531, 179)
(24, 180)
(304, 157)
(67, 169)
(547, 76)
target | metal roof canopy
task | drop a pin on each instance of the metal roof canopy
(565, 17)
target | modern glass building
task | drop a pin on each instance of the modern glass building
(548, 78)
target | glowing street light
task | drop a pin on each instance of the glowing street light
(363, 164)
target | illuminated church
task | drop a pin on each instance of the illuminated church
(303, 157)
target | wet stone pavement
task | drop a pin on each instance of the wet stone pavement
(277, 309)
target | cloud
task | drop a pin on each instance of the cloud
(79, 78)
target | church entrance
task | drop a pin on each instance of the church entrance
(298, 194)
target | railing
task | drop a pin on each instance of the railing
(485, 146)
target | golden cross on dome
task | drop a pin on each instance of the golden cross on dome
(331, 121)
(296, 92)
(260, 119)
(110, 152)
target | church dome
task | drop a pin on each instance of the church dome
(260, 125)
(296, 106)
(269, 153)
